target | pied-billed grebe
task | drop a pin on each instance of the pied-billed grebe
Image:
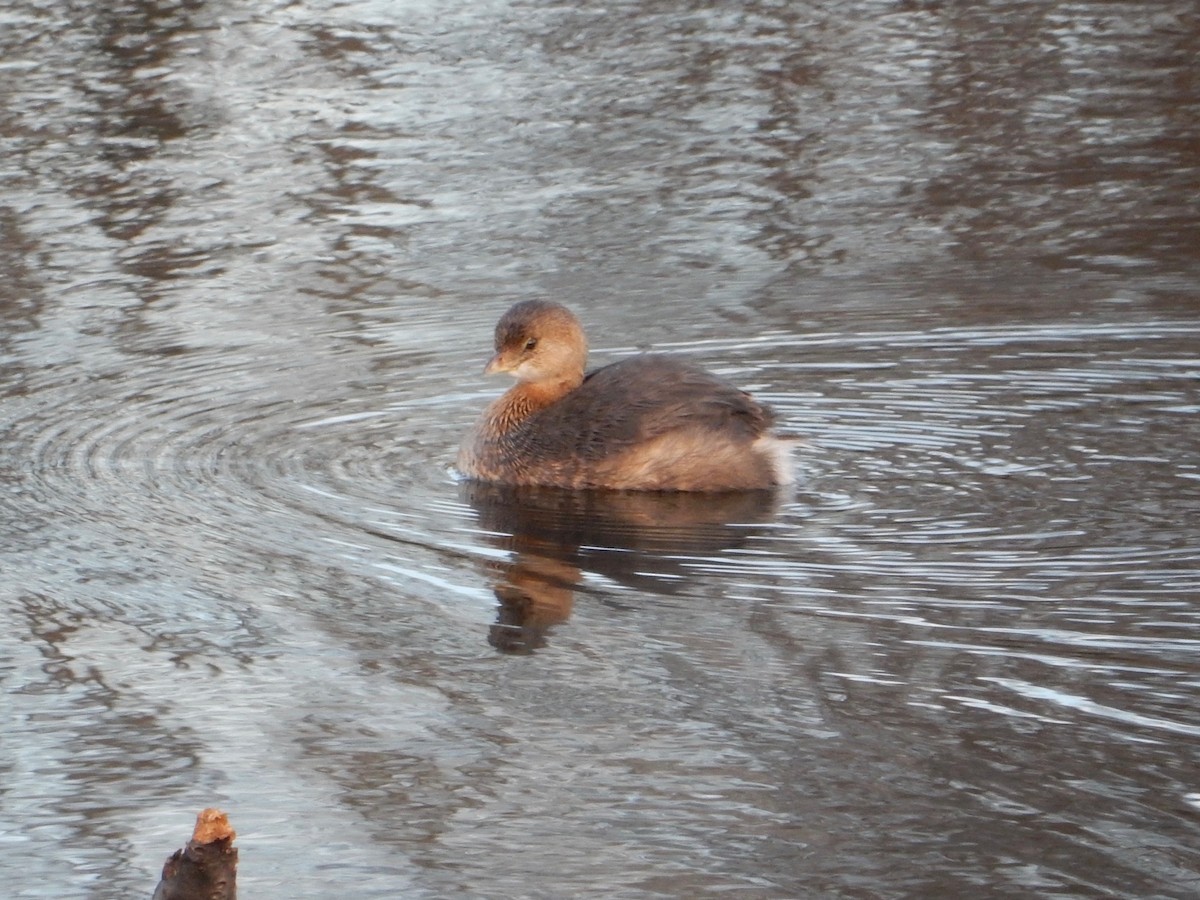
(650, 422)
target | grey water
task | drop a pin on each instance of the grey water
(250, 258)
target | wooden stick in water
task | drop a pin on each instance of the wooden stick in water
(206, 869)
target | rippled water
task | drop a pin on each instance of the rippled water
(252, 256)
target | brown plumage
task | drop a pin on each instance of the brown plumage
(650, 422)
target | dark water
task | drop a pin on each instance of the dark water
(252, 254)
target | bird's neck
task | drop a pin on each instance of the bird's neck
(526, 398)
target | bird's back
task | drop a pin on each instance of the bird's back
(647, 422)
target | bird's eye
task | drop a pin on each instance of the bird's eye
(531, 343)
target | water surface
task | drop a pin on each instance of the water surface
(253, 254)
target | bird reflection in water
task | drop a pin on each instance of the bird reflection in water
(640, 539)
